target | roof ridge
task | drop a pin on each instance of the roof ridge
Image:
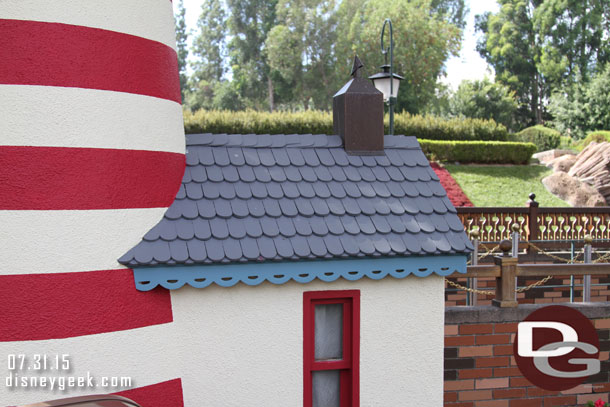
(290, 141)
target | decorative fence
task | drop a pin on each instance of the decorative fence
(549, 235)
(536, 223)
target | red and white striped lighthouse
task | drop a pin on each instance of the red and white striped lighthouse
(91, 155)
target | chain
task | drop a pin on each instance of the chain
(470, 290)
(536, 284)
(552, 256)
(600, 259)
(487, 253)
(528, 287)
(474, 290)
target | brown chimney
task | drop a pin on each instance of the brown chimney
(358, 115)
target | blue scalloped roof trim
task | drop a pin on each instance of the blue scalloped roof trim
(228, 275)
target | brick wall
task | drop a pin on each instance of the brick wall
(545, 294)
(480, 370)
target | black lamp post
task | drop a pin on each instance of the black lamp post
(387, 81)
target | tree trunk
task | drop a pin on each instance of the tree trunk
(270, 90)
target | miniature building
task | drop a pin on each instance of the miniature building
(337, 246)
(285, 271)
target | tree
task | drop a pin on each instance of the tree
(424, 40)
(583, 107)
(483, 99)
(300, 50)
(574, 37)
(539, 47)
(512, 47)
(182, 50)
(249, 23)
(209, 51)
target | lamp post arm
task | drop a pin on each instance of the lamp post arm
(385, 50)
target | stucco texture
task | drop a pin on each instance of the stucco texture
(243, 346)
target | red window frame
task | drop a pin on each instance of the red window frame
(350, 364)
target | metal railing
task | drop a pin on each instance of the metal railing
(506, 268)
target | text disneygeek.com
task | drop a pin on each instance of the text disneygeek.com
(28, 371)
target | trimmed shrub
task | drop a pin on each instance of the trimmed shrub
(543, 137)
(596, 136)
(484, 152)
(318, 122)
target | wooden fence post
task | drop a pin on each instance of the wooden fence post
(506, 283)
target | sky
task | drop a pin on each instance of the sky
(468, 65)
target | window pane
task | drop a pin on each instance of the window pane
(329, 331)
(325, 388)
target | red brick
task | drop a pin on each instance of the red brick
(503, 350)
(526, 403)
(509, 393)
(475, 351)
(506, 371)
(492, 339)
(559, 401)
(467, 404)
(582, 389)
(583, 398)
(491, 403)
(492, 362)
(451, 330)
(538, 392)
(475, 373)
(601, 387)
(474, 395)
(491, 383)
(519, 382)
(476, 329)
(450, 396)
(602, 323)
(459, 340)
(604, 356)
(506, 328)
(459, 385)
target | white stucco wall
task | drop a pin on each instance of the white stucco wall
(243, 346)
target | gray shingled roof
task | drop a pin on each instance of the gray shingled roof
(289, 197)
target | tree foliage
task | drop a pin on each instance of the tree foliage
(584, 107)
(510, 45)
(181, 47)
(539, 47)
(483, 99)
(209, 52)
(295, 54)
(424, 39)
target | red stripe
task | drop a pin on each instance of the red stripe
(64, 305)
(165, 394)
(42, 178)
(54, 54)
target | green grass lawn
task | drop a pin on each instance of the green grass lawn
(495, 185)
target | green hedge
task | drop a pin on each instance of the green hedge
(599, 136)
(483, 152)
(318, 122)
(543, 137)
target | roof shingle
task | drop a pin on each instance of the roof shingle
(288, 197)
